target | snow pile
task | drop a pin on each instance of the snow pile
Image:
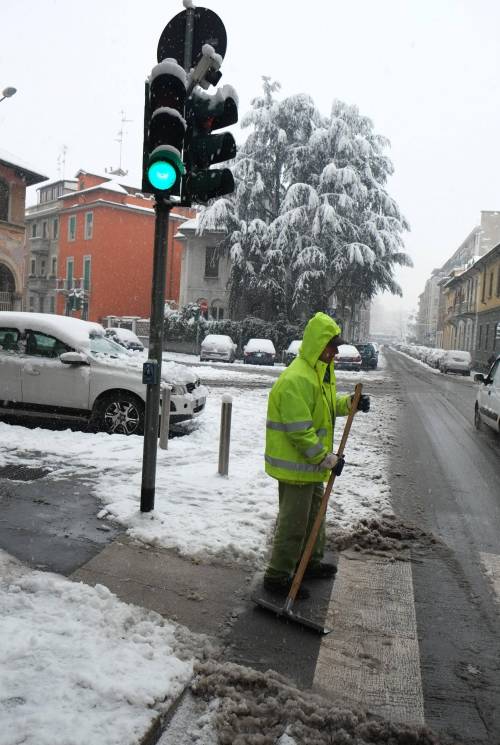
(246, 706)
(80, 663)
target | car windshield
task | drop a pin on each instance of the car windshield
(101, 345)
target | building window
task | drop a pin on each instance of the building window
(211, 262)
(72, 228)
(87, 260)
(490, 292)
(42, 267)
(4, 200)
(45, 229)
(486, 335)
(34, 230)
(55, 228)
(52, 304)
(480, 338)
(54, 266)
(217, 311)
(69, 273)
(32, 303)
(33, 267)
(496, 340)
(483, 290)
(498, 281)
(89, 225)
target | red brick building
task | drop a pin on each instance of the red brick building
(105, 262)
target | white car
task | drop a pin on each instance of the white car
(125, 337)
(347, 358)
(456, 361)
(487, 408)
(60, 367)
(218, 347)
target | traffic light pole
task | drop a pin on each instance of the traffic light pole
(151, 415)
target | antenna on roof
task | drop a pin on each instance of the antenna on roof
(61, 161)
(119, 171)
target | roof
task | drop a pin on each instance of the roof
(193, 225)
(31, 176)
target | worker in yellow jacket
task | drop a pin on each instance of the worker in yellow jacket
(302, 408)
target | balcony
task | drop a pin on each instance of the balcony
(41, 284)
(39, 246)
(73, 286)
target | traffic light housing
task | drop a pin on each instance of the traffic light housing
(164, 129)
(202, 149)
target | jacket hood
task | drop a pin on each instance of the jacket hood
(318, 332)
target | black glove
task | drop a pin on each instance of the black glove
(339, 466)
(363, 403)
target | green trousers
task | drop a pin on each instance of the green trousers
(298, 507)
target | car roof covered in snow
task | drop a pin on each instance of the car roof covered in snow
(217, 338)
(347, 350)
(122, 333)
(71, 331)
(260, 345)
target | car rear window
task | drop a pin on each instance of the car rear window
(8, 339)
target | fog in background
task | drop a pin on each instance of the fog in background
(427, 73)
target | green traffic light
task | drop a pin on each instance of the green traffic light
(162, 175)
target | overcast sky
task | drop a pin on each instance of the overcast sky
(426, 72)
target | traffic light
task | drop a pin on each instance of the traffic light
(164, 129)
(202, 149)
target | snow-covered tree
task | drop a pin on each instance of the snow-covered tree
(311, 218)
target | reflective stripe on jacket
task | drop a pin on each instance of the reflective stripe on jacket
(302, 409)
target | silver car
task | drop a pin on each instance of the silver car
(60, 367)
(487, 408)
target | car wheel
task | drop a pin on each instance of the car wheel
(120, 413)
(477, 418)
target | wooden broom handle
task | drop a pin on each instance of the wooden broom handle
(299, 574)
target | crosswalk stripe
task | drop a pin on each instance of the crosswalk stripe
(371, 659)
(492, 565)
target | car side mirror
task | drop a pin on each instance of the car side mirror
(479, 378)
(73, 358)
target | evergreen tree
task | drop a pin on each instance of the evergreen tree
(310, 217)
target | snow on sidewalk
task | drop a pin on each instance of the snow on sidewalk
(197, 512)
(78, 665)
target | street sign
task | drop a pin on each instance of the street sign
(208, 29)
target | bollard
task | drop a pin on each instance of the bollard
(165, 417)
(225, 434)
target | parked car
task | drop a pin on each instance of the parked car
(218, 347)
(259, 352)
(292, 351)
(348, 358)
(369, 355)
(60, 367)
(456, 361)
(126, 338)
(487, 407)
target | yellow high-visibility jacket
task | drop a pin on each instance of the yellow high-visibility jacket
(302, 408)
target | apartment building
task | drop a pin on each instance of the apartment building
(42, 246)
(90, 249)
(472, 316)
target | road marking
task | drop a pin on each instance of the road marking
(371, 659)
(492, 564)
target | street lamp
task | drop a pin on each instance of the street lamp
(8, 92)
